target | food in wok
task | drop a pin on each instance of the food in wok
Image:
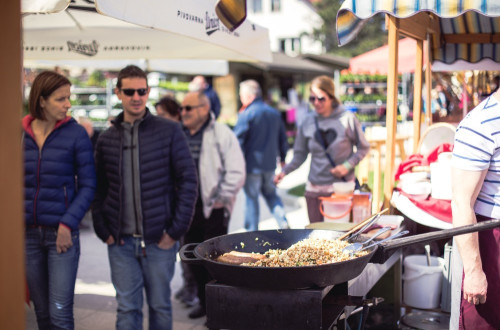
(307, 252)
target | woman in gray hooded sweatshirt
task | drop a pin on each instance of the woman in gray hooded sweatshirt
(335, 140)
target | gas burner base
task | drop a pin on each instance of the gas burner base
(230, 307)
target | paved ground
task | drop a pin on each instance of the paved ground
(95, 306)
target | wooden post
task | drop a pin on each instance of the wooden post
(428, 83)
(417, 95)
(12, 279)
(391, 113)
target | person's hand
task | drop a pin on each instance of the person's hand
(218, 205)
(339, 171)
(63, 241)
(475, 287)
(279, 177)
(166, 242)
(110, 240)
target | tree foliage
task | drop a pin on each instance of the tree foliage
(371, 36)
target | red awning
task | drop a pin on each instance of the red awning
(377, 60)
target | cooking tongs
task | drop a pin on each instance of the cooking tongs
(361, 227)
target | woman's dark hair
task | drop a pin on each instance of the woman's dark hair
(43, 86)
(171, 106)
(130, 71)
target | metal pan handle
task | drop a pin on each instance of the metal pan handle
(401, 233)
(186, 253)
(385, 250)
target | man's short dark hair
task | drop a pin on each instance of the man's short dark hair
(130, 71)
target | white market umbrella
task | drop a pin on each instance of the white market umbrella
(43, 6)
(173, 66)
(189, 29)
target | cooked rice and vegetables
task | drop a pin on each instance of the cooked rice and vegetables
(308, 252)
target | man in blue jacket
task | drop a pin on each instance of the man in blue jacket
(261, 133)
(199, 83)
(146, 190)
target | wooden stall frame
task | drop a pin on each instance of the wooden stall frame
(419, 27)
(12, 279)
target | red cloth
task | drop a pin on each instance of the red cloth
(27, 295)
(485, 316)
(438, 208)
(420, 160)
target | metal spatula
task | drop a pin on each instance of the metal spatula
(352, 248)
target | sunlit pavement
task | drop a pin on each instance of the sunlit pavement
(95, 305)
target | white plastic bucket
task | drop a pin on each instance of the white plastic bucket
(336, 208)
(422, 283)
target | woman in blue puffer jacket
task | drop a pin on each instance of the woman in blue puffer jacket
(58, 189)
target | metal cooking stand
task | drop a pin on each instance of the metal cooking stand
(231, 307)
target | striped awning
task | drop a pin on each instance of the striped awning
(469, 30)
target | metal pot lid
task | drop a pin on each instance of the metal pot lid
(426, 320)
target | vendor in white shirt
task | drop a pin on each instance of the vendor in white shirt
(476, 197)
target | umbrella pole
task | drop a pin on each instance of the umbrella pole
(391, 112)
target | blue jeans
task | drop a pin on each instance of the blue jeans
(262, 183)
(131, 271)
(51, 277)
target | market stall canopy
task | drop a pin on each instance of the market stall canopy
(375, 61)
(455, 30)
(165, 29)
(334, 62)
(460, 30)
(292, 64)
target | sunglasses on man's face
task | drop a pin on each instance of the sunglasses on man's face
(320, 99)
(131, 91)
(190, 107)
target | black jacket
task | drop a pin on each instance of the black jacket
(168, 180)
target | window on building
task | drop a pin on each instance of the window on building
(291, 46)
(296, 45)
(257, 6)
(275, 5)
(282, 45)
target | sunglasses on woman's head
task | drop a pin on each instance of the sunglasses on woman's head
(131, 91)
(319, 98)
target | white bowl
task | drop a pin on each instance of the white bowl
(422, 188)
(413, 177)
(394, 221)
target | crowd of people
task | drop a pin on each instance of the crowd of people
(156, 182)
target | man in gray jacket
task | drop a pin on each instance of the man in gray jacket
(221, 174)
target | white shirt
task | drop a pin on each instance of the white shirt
(477, 148)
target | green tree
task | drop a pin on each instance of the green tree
(371, 36)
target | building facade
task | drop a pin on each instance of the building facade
(276, 15)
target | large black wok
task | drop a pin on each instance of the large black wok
(303, 276)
